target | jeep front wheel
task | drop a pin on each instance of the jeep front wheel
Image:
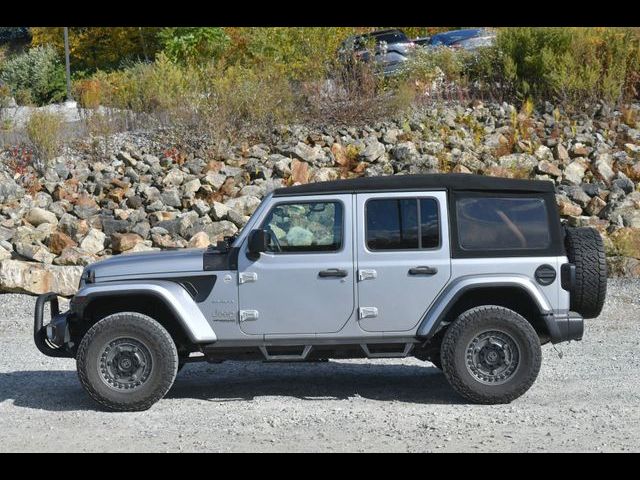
(491, 355)
(127, 362)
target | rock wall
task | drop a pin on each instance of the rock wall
(146, 195)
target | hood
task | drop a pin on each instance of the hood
(148, 263)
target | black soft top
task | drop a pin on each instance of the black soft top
(448, 181)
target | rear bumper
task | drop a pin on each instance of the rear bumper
(52, 339)
(563, 327)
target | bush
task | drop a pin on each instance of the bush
(574, 66)
(190, 45)
(37, 75)
(44, 130)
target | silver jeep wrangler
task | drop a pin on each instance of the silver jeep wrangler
(468, 272)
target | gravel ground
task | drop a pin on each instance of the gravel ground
(589, 400)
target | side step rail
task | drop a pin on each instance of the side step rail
(285, 357)
(386, 352)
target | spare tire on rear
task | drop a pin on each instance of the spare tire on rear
(585, 250)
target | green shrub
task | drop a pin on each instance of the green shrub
(44, 130)
(574, 66)
(191, 45)
(37, 75)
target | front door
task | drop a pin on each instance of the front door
(402, 257)
(304, 283)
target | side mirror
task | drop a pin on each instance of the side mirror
(258, 242)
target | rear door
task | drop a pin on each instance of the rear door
(403, 259)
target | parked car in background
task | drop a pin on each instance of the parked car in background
(390, 48)
(467, 39)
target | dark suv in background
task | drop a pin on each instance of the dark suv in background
(390, 48)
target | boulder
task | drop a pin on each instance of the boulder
(199, 240)
(121, 242)
(36, 278)
(574, 172)
(37, 216)
(93, 242)
(58, 241)
(75, 256)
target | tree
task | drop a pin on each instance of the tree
(100, 48)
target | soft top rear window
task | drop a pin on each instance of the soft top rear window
(502, 223)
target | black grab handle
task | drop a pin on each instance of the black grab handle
(423, 271)
(333, 272)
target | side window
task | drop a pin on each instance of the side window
(486, 223)
(305, 227)
(402, 224)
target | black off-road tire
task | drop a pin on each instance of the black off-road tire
(455, 359)
(585, 250)
(143, 330)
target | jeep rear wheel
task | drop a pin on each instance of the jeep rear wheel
(585, 250)
(127, 362)
(491, 355)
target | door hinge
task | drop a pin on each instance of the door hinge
(248, 315)
(367, 274)
(246, 277)
(368, 312)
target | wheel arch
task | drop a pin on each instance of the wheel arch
(165, 302)
(516, 293)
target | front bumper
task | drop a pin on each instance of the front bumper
(52, 339)
(565, 326)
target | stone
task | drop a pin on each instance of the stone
(163, 241)
(199, 240)
(574, 172)
(9, 189)
(567, 207)
(562, 155)
(304, 152)
(218, 211)
(244, 205)
(624, 183)
(218, 230)
(58, 241)
(190, 188)
(36, 278)
(373, 149)
(579, 150)
(28, 234)
(37, 216)
(460, 169)
(93, 242)
(121, 242)
(324, 175)
(391, 136)
(518, 162)
(173, 178)
(216, 180)
(595, 206)
(34, 251)
(145, 246)
(200, 207)
(75, 256)
(171, 197)
(4, 253)
(299, 172)
(603, 168)
(544, 154)
(548, 168)
(405, 152)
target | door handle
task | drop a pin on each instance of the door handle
(333, 272)
(423, 271)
